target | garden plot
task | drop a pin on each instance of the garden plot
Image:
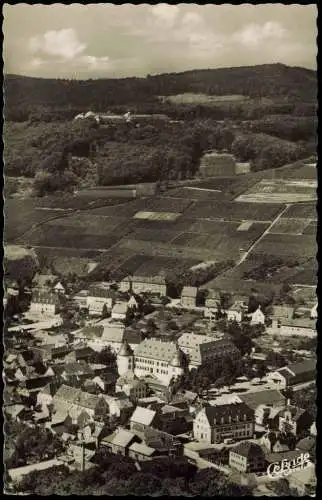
(302, 211)
(281, 191)
(289, 226)
(231, 211)
(162, 216)
(280, 245)
(167, 204)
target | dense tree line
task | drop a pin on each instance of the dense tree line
(116, 475)
(272, 80)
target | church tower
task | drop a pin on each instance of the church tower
(125, 359)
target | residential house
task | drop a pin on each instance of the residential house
(105, 382)
(201, 349)
(151, 402)
(313, 429)
(59, 288)
(132, 303)
(120, 311)
(277, 442)
(236, 312)
(80, 298)
(80, 354)
(45, 396)
(98, 336)
(163, 443)
(213, 424)
(119, 405)
(45, 303)
(142, 418)
(164, 360)
(247, 457)
(189, 296)
(213, 301)
(267, 416)
(257, 317)
(13, 411)
(121, 441)
(294, 374)
(98, 298)
(79, 371)
(132, 386)
(73, 402)
(295, 420)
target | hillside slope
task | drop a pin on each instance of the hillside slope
(272, 80)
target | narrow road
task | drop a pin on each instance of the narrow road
(246, 254)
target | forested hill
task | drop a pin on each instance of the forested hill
(276, 81)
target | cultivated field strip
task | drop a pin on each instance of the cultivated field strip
(290, 226)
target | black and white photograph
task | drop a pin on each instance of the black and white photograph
(159, 249)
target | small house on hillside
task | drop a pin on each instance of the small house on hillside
(189, 296)
(59, 288)
(247, 457)
(257, 317)
(236, 312)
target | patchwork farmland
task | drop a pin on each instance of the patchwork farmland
(153, 235)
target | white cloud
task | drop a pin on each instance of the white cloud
(253, 34)
(165, 14)
(64, 46)
(63, 43)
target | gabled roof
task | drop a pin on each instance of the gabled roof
(123, 438)
(269, 397)
(156, 280)
(248, 449)
(299, 368)
(143, 416)
(120, 308)
(142, 449)
(156, 349)
(307, 444)
(97, 291)
(189, 291)
(77, 368)
(227, 413)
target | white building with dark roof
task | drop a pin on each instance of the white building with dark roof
(201, 349)
(290, 375)
(44, 303)
(189, 296)
(164, 360)
(213, 424)
(97, 298)
(98, 337)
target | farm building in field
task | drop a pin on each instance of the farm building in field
(213, 424)
(201, 349)
(303, 327)
(144, 284)
(44, 303)
(294, 374)
(242, 168)
(215, 164)
(189, 296)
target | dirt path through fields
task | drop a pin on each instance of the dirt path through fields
(249, 251)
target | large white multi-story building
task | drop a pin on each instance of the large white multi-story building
(202, 349)
(161, 360)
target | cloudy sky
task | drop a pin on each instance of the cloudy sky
(105, 40)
